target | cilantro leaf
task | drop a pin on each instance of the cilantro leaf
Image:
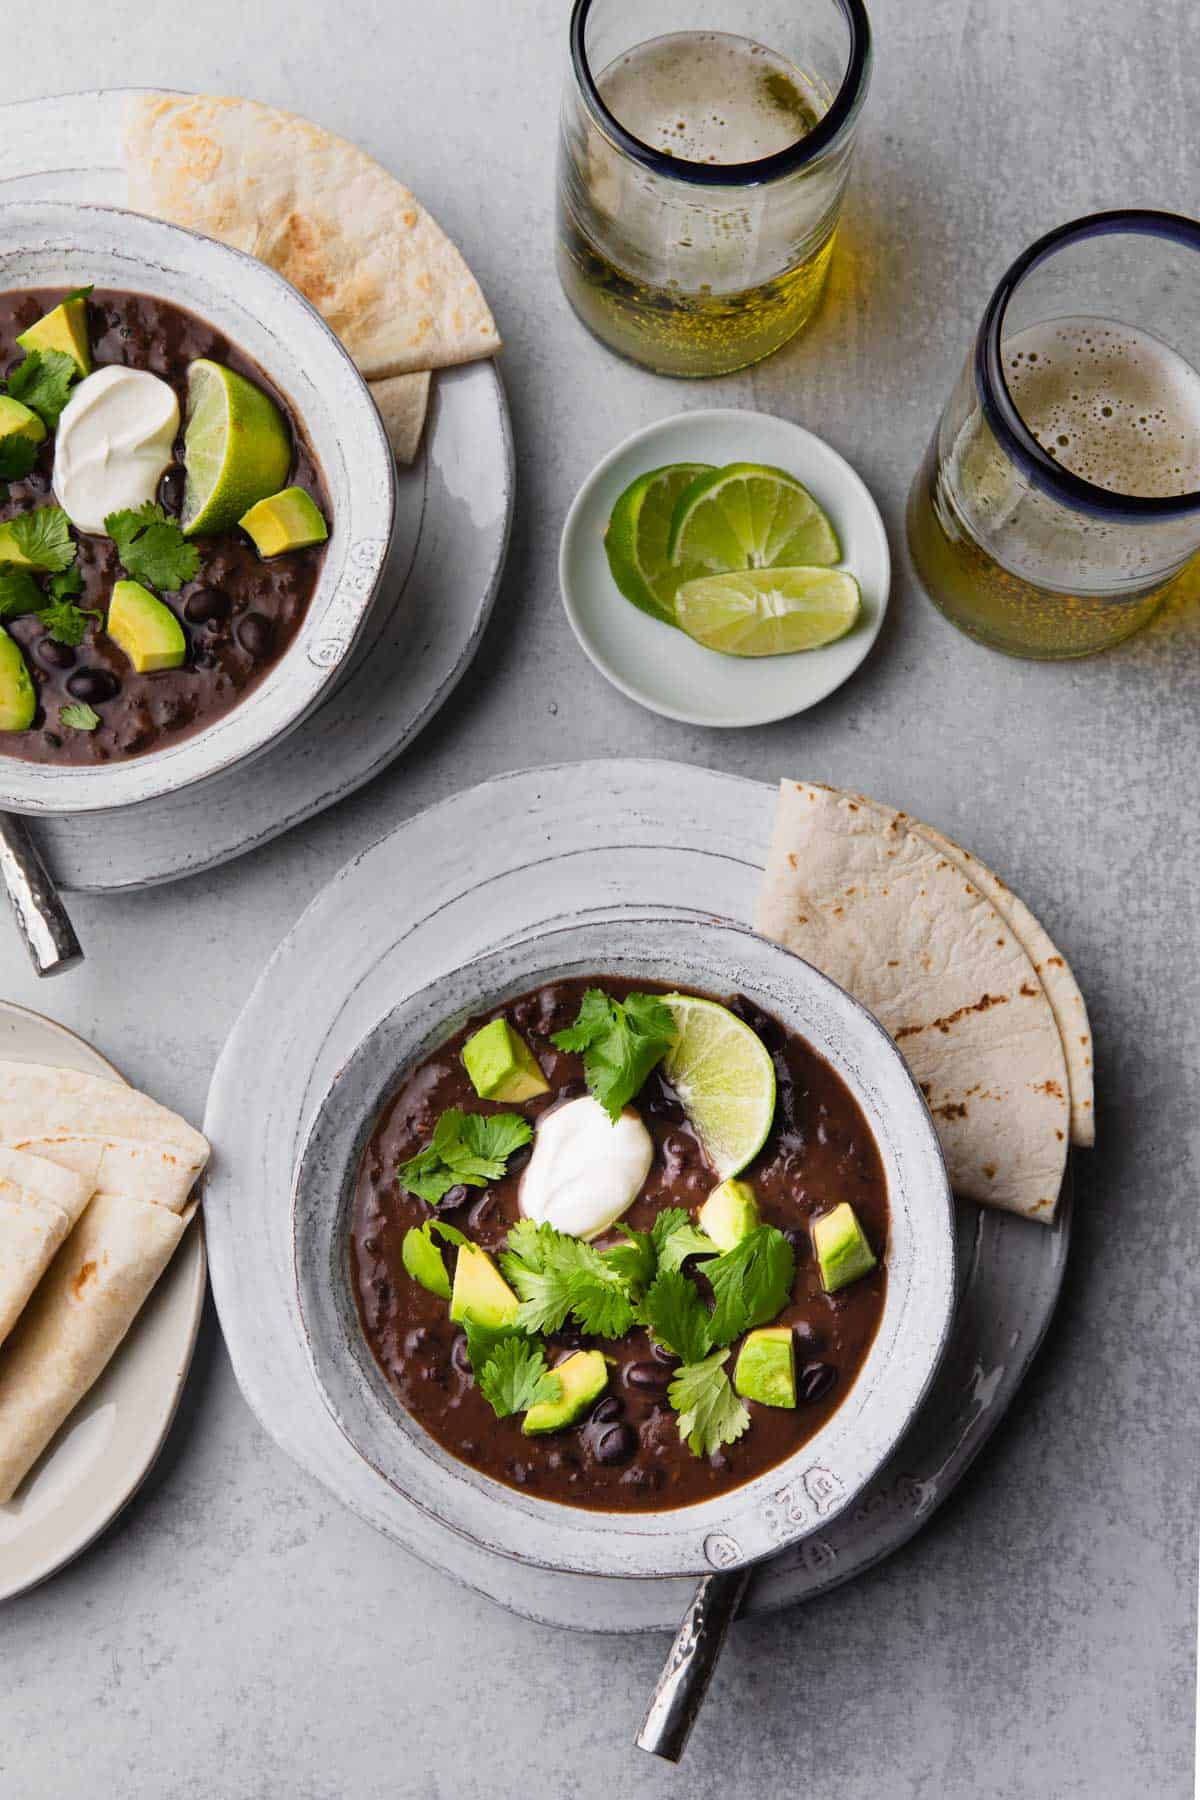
(556, 1276)
(66, 622)
(17, 456)
(79, 716)
(67, 584)
(152, 548)
(676, 1238)
(509, 1368)
(19, 592)
(751, 1283)
(677, 1316)
(449, 1232)
(79, 293)
(634, 1261)
(42, 382)
(710, 1413)
(620, 1041)
(466, 1148)
(43, 537)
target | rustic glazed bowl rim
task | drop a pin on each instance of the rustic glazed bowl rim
(48, 243)
(787, 1502)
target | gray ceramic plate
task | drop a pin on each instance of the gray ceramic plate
(751, 1521)
(454, 509)
(527, 851)
(56, 244)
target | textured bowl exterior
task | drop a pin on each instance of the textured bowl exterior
(780, 1506)
(50, 244)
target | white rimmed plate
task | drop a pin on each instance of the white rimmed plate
(657, 665)
(106, 1448)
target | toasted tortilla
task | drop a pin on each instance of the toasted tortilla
(67, 1188)
(321, 212)
(403, 401)
(888, 916)
(37, 1101)
(31, 1231)
(156, 1172)
(77, 1318)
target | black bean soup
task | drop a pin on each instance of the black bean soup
(239, 615)
(626, 1454)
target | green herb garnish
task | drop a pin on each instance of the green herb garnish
(17, 456)
(66, 622)
(19, 592)
(43, 383)
(677, 1316)
(79, 716)
(676, 1238)
(621, 1041)
(43, 537)
(751, 1283)
(556, 1276)
(515, 1377)
(152, 548)
(467, 1149)
(710, 1413)
(634, 1260)
(79, 293)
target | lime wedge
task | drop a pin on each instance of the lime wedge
(236, 448)
(636, 538)
(749, 516)
(725, 1080)
(768, 612)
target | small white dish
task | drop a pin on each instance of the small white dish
(660, 667)
(107, 1447)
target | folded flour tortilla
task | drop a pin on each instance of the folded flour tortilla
(70, 1329)
(892, 919)
(331, 220)
(403, 401)
(68, 1188)
(31, 1231)
(120, 1166)
(37, 1101)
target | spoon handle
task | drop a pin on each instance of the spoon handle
(42, 917)
(690, 1664)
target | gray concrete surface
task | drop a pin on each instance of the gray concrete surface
(239, 1635)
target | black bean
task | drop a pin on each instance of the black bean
(648, 1377)
(607, 1410)
(458, 1354)
(808, 1337)
(482, 1211)
(664, 1355)
(170, 491)
(616, 1444)
(54, 654)
(799, 1242)
(761, 1024)
(455, 1197)
(93, 685)
(206, 605)
(203, 659)
(815, 1381)
(255, 633)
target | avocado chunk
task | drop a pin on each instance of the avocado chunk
(766, 1367)
(290, 520)
(481, 1290)
(18, 700)
(841, 1246)
(424, 1261)
(17, 420)
(501, 1064)
(147, 631)
(63, 328)
(584, 1377)
(729, 1214)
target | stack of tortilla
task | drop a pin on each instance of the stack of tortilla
(983, 1006)
(352, 238)
(94, 1184)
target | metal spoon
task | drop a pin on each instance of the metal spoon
(41, 916)
(690, 1664)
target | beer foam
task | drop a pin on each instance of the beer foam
(1113, 404)
(710, 97)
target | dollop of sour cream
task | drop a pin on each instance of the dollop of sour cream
(585, 1170)
(114, 440)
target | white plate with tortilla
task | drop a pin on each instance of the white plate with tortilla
(454, 510)
(107, 1447)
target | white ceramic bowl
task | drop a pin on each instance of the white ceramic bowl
(48, 244)
(788, 1501)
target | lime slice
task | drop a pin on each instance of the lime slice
(236, 448)
(725, 1080)
(768, 612)
(636, 538)
(749, 516)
